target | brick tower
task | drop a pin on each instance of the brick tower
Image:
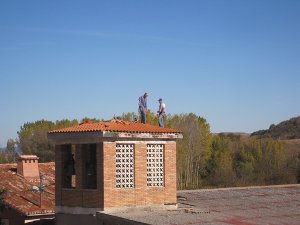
(111, 165)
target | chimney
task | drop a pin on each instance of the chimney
(28, 167)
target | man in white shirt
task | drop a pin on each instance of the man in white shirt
(161, 113)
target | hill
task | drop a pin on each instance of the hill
(286, 130)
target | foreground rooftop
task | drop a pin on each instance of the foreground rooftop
(236, 206)
(19, 192)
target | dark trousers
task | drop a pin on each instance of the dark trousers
(143, 117)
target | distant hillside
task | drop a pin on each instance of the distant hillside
(286, 130)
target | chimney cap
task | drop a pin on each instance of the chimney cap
(28, 157)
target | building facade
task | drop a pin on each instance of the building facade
(112, 165)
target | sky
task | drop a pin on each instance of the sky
(235, 63)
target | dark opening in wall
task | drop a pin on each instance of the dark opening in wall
(89, 157)
(68, 167)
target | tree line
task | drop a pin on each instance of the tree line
(203, 159)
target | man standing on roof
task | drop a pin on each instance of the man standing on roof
(143, 107)
(161, 113)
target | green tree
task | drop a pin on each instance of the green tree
(9, 155)
(220, 167)
(248, 160)
(32, 137)
(3, 158)
(193, 150)
(292, 169)
(245, 164)
(264, 161)
(273, 161)
(130, 116)
(151, 118)
(11, 151)
(202, 159)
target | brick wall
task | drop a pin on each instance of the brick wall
(77, 197)
(107, 195)
(58, 174)
(28, 168)
(141, 195)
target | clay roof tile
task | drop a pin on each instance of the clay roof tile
(19, 194)
(116, 126)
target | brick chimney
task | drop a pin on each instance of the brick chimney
(28, 167)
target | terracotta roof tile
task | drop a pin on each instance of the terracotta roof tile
(115, 126)
(19, 193)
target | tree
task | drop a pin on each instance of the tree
(131, 117)
(220, 167)
(10, 154)
(151, 118)
(203, 159)
(193, 150)
(33, 137)
(246, 160)
(11, 151)
(3, 157)
(273, 161)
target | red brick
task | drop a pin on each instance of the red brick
(107, 195)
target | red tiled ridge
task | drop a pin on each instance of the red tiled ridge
(116, 126)
(19, 194)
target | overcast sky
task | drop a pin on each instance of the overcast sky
(235, 63)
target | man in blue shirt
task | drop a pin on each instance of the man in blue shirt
(143, 107)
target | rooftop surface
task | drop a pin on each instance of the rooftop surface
(235, 206)
(115, 126)
(19, 194)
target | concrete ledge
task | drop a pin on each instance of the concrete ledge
(239, 188)
(140, 208)
(105, 136)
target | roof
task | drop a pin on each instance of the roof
(116, 126)
(19, 194)
(236, 206)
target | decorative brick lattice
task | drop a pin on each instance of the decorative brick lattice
(125, 166)
(155, 165)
